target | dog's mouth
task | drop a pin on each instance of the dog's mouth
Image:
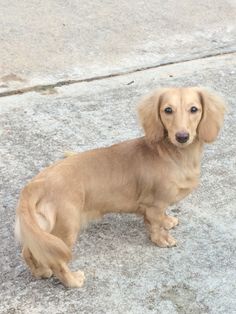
(182, 145)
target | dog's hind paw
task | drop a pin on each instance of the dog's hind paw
(78, 280)
(42, 273)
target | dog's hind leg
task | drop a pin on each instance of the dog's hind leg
(62, 271)
(68, 278)
(37, 270)
(67, 230)
(60, 268)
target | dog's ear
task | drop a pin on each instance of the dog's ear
(213, 115)
(148, 111)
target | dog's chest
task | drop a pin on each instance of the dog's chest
(184, 181)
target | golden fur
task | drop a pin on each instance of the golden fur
(142, 176)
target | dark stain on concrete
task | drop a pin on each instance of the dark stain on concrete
(184, 298)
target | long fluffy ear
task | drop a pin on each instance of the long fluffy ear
(148, 111)
(213, 115)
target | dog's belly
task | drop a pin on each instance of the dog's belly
(110, 202)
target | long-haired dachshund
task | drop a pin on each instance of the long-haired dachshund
(142, 176)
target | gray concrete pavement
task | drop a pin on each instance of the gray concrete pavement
(125, 272)
(49, 41)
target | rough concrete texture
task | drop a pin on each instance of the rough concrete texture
(49, 41)
(125, 272)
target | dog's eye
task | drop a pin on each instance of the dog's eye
(168, 110)
(194, 109)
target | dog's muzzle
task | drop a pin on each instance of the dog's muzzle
(182, 137)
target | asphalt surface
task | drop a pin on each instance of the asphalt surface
(159, 44)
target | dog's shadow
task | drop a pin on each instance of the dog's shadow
(114, 230)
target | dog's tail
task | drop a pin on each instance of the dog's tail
(46, 248)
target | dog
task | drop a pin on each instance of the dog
(143, 176)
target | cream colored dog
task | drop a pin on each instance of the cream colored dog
(142, 176)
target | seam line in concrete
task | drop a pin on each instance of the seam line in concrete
(43, 87)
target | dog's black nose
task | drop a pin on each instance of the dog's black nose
(182, 137)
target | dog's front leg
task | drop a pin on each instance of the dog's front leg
(156, 220)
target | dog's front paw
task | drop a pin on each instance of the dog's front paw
(163, 239)
(170, 222)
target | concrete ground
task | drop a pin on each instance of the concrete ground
(71, 74)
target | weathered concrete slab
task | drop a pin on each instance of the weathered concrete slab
(125, 272)
(45, 42)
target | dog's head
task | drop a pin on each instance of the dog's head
(181, 114)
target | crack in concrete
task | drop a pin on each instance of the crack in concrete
(45, 87)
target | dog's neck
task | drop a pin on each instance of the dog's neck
(191, 154)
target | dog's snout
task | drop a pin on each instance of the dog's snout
(182, 137)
